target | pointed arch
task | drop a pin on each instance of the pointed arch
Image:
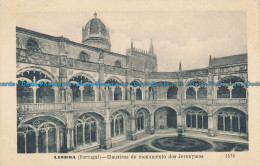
(120, 123)
(231, 120)
(89, 128)
(41, 134)
(142, 119)
(196, 118)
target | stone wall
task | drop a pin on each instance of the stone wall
(142, 61)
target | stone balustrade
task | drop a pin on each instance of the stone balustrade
(167, 101)
(195, 101)
(119, 103)
(92, 104)
(230, 101)
(81, 105)
(40, 107)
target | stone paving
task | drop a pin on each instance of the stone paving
(126, 145)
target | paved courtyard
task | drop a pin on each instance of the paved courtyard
(144, 144)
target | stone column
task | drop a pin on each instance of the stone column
(154, 94)
(143, 93)
(36, 141)
(76, 136)
(132, 133)
(63, 95)
(215, 92)
(184, 125)
(34, 94)
(151, 123)
(96, 89)
(215, 123)
(179, 122)
(69, 98)
(114, 126)
(211, 126)
(247, 125)
(196, 121)
(191, 120)
(147, 93)
(224, 123)
(61, 139)
(58, 140)
(81, 88)
(69, 128)
(202, 121)
(113, 93)
(210, 93)
(68, 138)
(83, 133)
(47, 140)
(25, 144)
(184, 92)
(63, 77)
(71, 138)
(107, 141)
(102, 93)
(56, 94)
(34, 90)
(123, 93)
(196, 90)
(134, 93)
(230, 91)
(238, 123)
(101, 73)
(127, 88)
(231, 128)
(90, 132)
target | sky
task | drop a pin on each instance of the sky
(186, 36)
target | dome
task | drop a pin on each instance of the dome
(96, 26)
(96, 34)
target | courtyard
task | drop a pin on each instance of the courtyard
(191, 142)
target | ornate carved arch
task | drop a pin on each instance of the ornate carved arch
(39, 69)
(88, 76)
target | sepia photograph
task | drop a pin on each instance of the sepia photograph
(64, 105)
(129, 82)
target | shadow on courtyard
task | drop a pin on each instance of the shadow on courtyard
(187, 144)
